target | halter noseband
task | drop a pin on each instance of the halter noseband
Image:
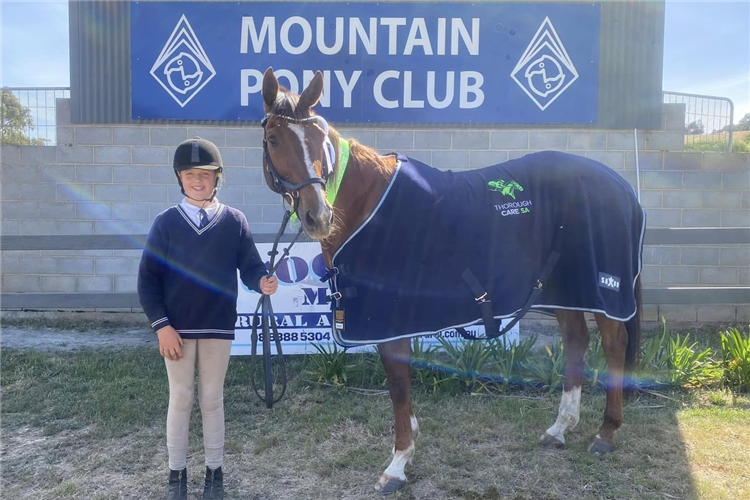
(283, 187)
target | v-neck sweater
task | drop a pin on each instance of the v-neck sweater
(188, 276)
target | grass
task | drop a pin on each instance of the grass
(90, 424)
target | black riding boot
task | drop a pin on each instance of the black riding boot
(214, 488)
(177, 489)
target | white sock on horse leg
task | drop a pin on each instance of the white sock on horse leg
(398, 463)
(568, 415)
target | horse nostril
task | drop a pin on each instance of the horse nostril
(309, 219)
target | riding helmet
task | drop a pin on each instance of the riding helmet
(197, 153)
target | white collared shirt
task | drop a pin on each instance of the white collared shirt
(192, 211)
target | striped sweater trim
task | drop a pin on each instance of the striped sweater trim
(212, 223)
(159, 321)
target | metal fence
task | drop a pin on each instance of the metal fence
(709, 120)
(41, 103)
(708, 123)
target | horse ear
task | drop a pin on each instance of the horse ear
(270, 89)
(312, 93)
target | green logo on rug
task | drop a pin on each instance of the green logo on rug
(506, 188)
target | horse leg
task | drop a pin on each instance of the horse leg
(575, 336)
(614, 342)
(395, 358)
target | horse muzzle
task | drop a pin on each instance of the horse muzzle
(317, 222)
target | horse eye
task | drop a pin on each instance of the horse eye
(273, 141)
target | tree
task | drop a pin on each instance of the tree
(744, 123)
(16, 120)
(695, 128)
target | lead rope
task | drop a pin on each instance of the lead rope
(264, 305)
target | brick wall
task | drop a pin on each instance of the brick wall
(116, 179)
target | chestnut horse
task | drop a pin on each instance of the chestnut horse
(300, 152)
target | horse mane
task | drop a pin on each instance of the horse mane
(366, 155)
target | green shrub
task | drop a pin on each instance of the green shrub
(366, 371)
(547, 367)
(508, 359)
(467, 361)
(718, 146)
(674, 360)
(687, 365)
(735, 362)
(424, 368)
(330, 365)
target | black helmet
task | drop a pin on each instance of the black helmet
(197, 153)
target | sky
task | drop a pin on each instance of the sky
(706, 47)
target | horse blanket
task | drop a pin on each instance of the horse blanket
(400, 274)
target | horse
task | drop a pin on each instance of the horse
(302, 162)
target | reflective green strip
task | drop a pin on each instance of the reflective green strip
(332, 188)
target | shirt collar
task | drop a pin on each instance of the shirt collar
(192, 211)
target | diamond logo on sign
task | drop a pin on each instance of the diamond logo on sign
(545, 69)
(183, 68)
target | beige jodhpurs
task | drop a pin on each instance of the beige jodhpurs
(213, 359)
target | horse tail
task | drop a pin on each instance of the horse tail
(633, 327)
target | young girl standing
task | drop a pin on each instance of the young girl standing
(187, 285)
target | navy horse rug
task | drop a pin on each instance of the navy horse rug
(404, 272)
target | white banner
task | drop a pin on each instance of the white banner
(301, 310)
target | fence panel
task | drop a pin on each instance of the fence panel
(42, 104)
(709, 121)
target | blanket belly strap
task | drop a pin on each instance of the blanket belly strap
(490, 325)
(485, 306)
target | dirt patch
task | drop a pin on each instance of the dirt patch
(62, 340)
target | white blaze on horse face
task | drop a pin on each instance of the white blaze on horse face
(568, 415)
(299, 131)
(398, 463)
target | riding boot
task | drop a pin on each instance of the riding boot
(214, 487)
(177, 489)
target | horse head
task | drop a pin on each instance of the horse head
(298, 156)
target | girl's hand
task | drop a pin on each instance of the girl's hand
(170, 343)
(269, 285)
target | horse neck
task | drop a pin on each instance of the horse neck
(366, 178)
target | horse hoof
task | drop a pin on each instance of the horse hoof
(547, 441)
(388, 485)
(601, 447)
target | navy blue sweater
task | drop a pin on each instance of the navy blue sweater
(188, 276)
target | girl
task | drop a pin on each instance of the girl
(187, 285)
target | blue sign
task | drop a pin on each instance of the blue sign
(382, 62)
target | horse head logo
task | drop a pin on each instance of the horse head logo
(506, 188)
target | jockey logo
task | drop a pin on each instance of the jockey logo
(506, 188)
(609, 281)
(183, 68)
(545, 69)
